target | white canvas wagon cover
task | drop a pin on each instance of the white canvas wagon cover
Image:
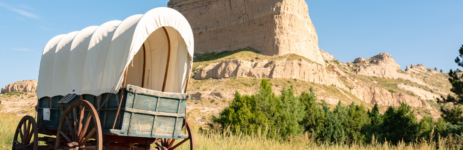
(153, 51)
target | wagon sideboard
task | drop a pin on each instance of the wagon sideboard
(143, 112)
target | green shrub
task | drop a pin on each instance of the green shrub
(333, 131)
(399, 124)
(264, 113)
(426, 127)
(373, 129)
(314, 120)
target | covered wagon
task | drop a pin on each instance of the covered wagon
(120, 85)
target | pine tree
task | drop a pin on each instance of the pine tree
(356, 119)
(315, 118)
(441, 71)
(454, 115)
(334, 131)
(400, 124)
(374, 128)
(290, 113)
(426, 127)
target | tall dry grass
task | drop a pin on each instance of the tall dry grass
(213, 140)
(8, 124)
(226, 141)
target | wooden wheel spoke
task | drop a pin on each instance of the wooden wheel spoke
(26, 134)
(30, 133)
(21, 135)
(159, 145)
(79, 131)
(74, 114)
(88, 136)
(178, 144)
(65, 136)
(171, 143)
(71, 130)
(87, 122)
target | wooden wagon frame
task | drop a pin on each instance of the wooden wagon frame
(121, 85)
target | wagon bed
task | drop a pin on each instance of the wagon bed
(144, 113)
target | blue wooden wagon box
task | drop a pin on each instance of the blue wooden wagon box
(144, 113)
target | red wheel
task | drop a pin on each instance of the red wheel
(78, 136)
(170, 144)
(28, 134)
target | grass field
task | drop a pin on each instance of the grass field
(8, 123)
(218, 141)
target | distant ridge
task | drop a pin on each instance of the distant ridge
(21, 86)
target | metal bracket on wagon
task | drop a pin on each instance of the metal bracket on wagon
(68, 99)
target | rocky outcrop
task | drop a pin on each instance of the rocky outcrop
(383, 97)
(422, 94)
(417, 68)
(381, 65)
(326, 56)
(21, 86)
(273, 27)
(296, 69)
(420, 69)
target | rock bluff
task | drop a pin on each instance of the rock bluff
(273, 27)
(21, 86)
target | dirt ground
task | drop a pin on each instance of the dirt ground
(19, 103)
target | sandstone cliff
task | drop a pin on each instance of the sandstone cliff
(22, 86)
(326, 56)
(274, 27)
(295, 69)
(381, 65)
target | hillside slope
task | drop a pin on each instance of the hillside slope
(376, 80)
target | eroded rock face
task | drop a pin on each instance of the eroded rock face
(326, 56)
(274, 27)
(419, 69)
(422, 94)
(21, 86)
(296, 69)
(383, 97)
(381, 65)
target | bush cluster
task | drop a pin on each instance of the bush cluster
(290, 115)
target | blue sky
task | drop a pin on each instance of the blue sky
(414, 31)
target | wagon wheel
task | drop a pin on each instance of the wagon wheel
(168, 144)
(27, 131)
(81, 134)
